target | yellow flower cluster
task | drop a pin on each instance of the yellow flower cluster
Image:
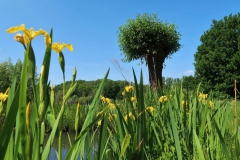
(134, 99)
(99, 122)
(151, 109)
(126, 117)
(4, 96)
(105, 100)
(202, 96)
(184, 103)
(129, 115)
(112, 117)
(111, 106)
(211, 104)
(203, 99)
(163, 99)
(108, 101)
(99, 113)
(128, 89)
(28, 35)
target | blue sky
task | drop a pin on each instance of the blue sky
(92, 26)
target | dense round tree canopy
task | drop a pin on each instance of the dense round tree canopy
(150, 40)
(147, 35)
(217, 60)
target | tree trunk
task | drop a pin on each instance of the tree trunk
(155, 66)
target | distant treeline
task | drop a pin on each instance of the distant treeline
(86, 90)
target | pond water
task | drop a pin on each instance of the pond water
(53, 153)
(65, 146)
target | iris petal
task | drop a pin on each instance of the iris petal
(57, 47)
(30, 34)
(16, 28)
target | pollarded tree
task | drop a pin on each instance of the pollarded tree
(150, 40)
(217, 60)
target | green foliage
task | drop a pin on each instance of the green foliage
(6, 72)
(169, 82)
(113, 89)
(185, 126)
(217, 60)
(150, 40)
(145, 35)
(190, 82)
(169, 123)
(86, 90)
(174, 130)
(125, 143)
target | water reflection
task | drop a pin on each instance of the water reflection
(66, 146)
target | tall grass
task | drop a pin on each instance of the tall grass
(145, 124)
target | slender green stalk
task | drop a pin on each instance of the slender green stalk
(60, 135)
(60, 146)
(24, 148)
(34, 92)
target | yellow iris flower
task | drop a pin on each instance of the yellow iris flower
(129, 88)
(203, 96)
(4, 96)
(108, 100)
(163, 99)
(126, 118)
(57, 47)
(111, 106)
(99, 122)
(131, 115)
(134, 99)
(28, 34)
(211, 104)
(105, 100)
(112, 117)
(18, 37)
(151, 109)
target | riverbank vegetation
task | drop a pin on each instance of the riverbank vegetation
(178, 119)
(171, 123)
